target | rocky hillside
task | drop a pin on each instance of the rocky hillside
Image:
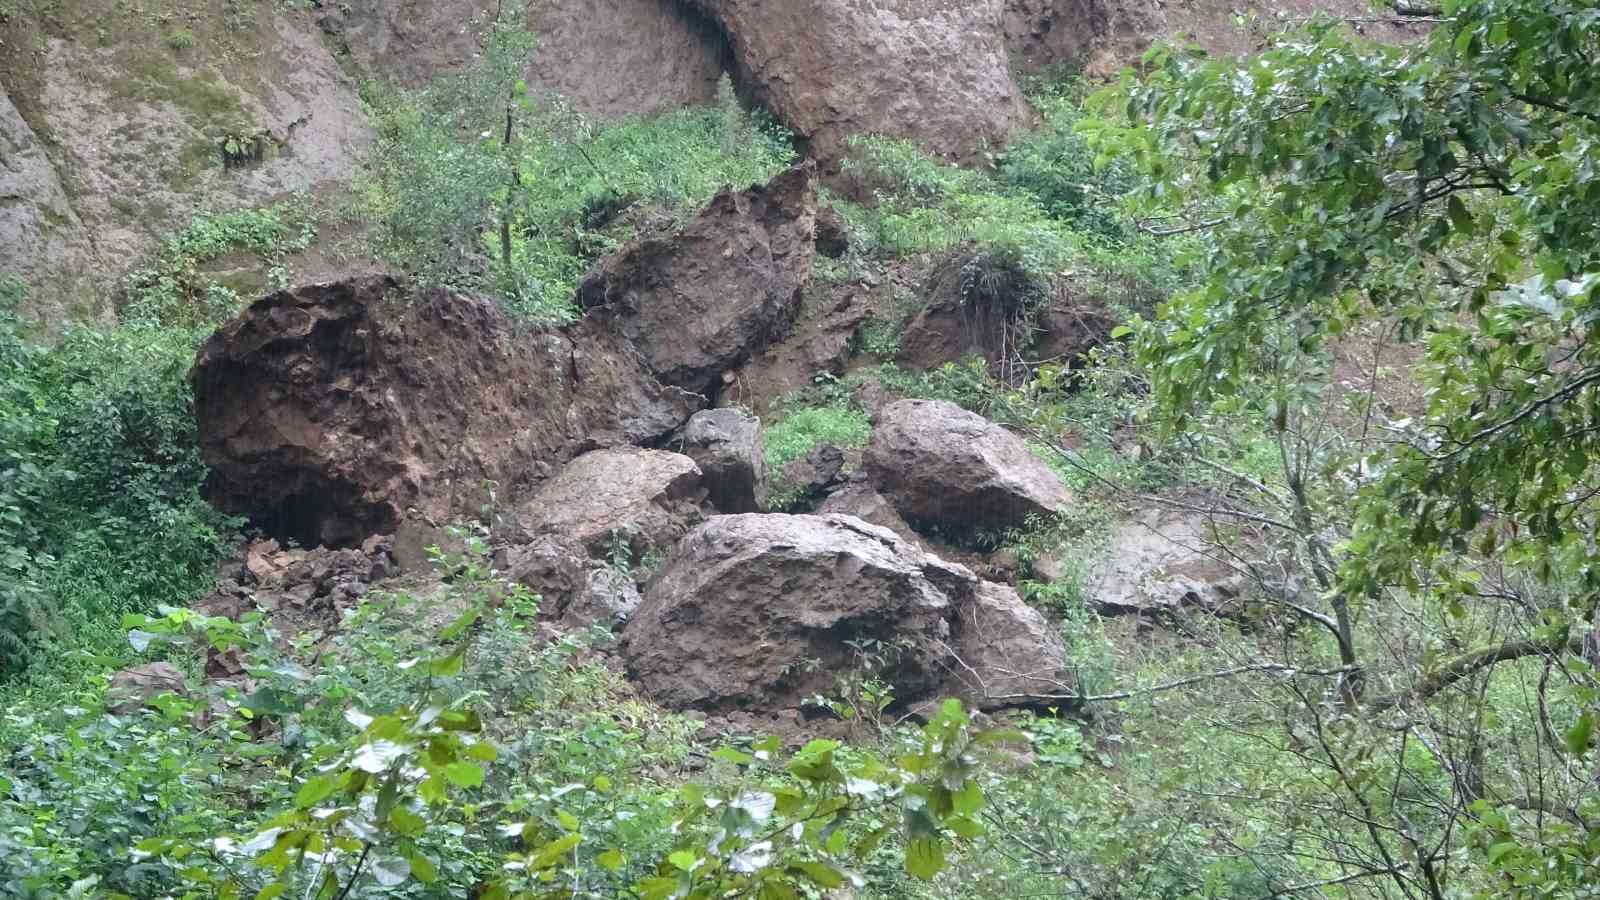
(745, 449)
(118, 123)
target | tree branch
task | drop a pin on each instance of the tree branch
(1475, 661)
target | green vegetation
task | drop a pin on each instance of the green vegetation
(477, 183)
(819, 415)
(98, 453)
(474, 760)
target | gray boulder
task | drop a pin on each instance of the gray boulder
(726, 445)
(753, 612)
(948, 469)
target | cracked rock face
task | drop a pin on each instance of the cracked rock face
(759, 612)
(933, 71)
(330, 412)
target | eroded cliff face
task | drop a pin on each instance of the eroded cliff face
(612, 58)
(113, 119)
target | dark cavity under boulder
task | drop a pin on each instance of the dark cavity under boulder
(329, 412)
(956, 473)
(699, 301)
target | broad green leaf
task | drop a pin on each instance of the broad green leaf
(463, 774)
(925, 857)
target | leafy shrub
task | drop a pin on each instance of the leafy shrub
(448, 207)
(98, 451)
(98, 455)
(1056, 166)
(474, 761)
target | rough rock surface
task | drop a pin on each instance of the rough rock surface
(134, 129)
(132, 688)
(935, 71)
(858, 498)
(329, 412)
(734, 618)
(41, 238)
(726, 445)
(1160, 563)
(819, 342)
(1008, 652)
(611, 57)
(704, 299)
(643, 499)
(944, 467)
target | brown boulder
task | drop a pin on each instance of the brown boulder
(604, 500)
(328, 412)
(1008, 654)
(934, 71)
(134, 688)
(753, 612)
(954, 471)
(819, 342)
(726, 445)
(700, 301)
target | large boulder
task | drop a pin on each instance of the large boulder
(756, 613)
(701, 300)
(329, 412)
(753, 612)
(1008, 654)
(953, 471)
(623, 500)
(726, 445)
(935, 71)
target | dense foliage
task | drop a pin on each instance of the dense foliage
(478, 182)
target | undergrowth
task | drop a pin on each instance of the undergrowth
(100, 468)
(443, 178)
